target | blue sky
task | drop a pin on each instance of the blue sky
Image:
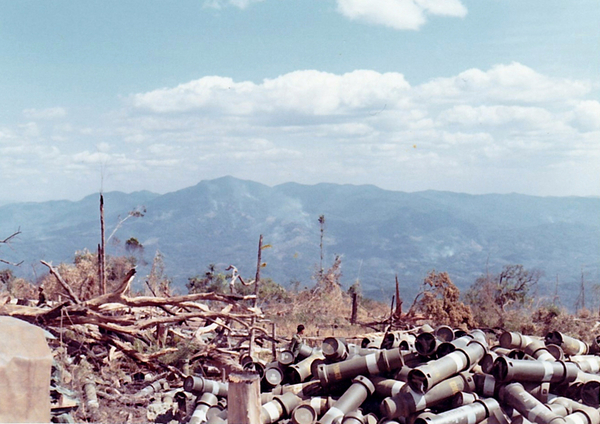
(473, 96)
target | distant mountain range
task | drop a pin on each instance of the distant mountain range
(378, 233)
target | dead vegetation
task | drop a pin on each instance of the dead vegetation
(129, 350)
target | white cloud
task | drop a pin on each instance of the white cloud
(310, 126)
(304, 92)
(497, 115)
(49, 113)
(219, 4)
(586, 115)
(351, 124)
(30, 129)
(514, 83)
(399, 14)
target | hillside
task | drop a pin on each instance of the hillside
(379, 233)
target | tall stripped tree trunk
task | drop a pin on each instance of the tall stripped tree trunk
(101, 249)
(255, 300)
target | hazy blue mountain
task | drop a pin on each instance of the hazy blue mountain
(379, 233)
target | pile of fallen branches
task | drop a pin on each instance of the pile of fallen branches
(141, 339)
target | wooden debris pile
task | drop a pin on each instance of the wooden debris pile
(116, 354)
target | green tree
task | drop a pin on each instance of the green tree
(211, 281)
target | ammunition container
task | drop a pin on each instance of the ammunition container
(200, 385)
(467, 414)
(444, 333)
(300, 371)
(285, 358)
(587, 363)
(398, 339)
(360, 389)
(334, 349)
(533, 347)
(353, 417)
(304, 390)
(372, 342)
(308, 411)
(385, 387)
(304, 351)
(569, 345)
(408, 401)
(426, 376)
(426, 344)
(204, 403)
(527, 405)
(279, 407)
(372, 364)
(273, 376)
(506, 370)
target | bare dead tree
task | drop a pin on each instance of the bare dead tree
(7, 241)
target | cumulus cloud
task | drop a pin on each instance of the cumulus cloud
(399, 14)
(586, 115)
(497, 115)
(349, 124)
(49, 113)
(514, 83)
(305, 92)
(311, 126)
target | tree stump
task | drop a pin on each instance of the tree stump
(243, 398)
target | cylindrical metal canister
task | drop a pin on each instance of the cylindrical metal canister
(304, 351)
(202, 405)
(515, 396)
(280, 406)
(310, 410)
(352, 398)
(198, 385)
(372, 341)
(569, 345)
(273, 375)
(334, 349)
(408, 401)
(372, 364)
(353, 417)
(385, 387)
(304, 390)
(473, 413)
(299, 372)
(444, 333)
(426, 376)
(587, 363)
(286, 357)
(506, 370)
(426, 344)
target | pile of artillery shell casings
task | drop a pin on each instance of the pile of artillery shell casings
(423, 376)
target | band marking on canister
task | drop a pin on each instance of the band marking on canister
(582, 347)
(594, 365)
(371, 362)
(337, 372)
(396, 387)
(420, 402)
(334, 413)
(539, 409)
(459, 360)
(272, 410)
(576, 418)
(548, 371)
(471, 416)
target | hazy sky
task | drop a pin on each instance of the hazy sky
(473, 96)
